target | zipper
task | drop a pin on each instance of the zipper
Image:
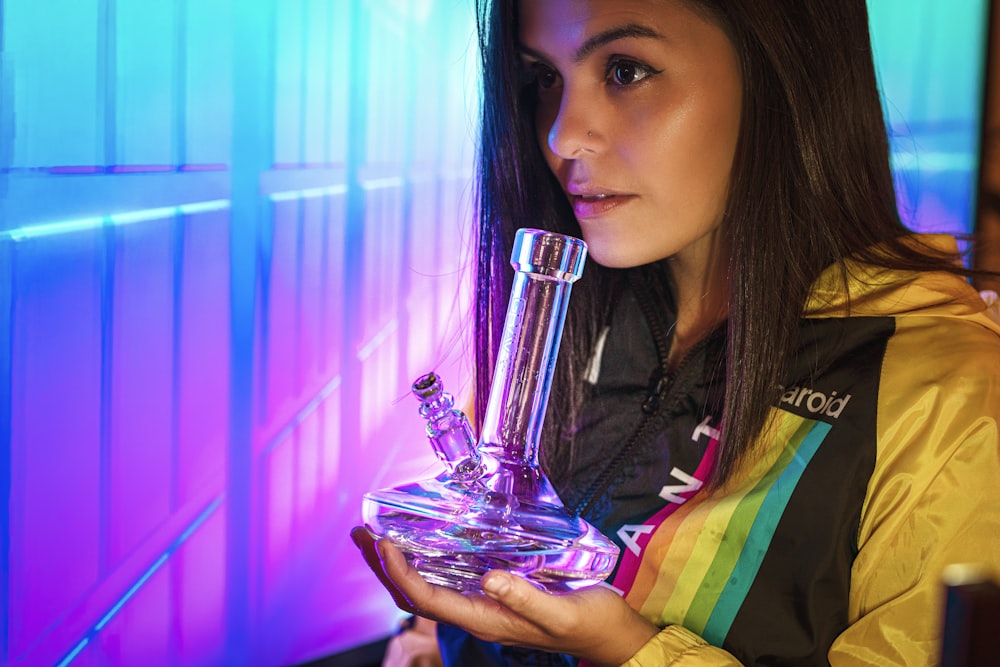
(659, 386)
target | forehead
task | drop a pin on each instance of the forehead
(570, 14)
(551, 25)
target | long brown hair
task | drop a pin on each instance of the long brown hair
(811, 185)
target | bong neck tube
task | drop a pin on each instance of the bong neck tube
(546, 266)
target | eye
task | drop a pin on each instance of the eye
(627, 72)
(540, 75)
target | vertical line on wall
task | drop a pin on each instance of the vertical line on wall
(323, 360)
(6, 122)
(326, 212)
(329, 37)
(441, 181)
(267, 84)
(252, 154)
(265, 258)
(918, 102)
(357, 129)
(6, 337)
(298, 363)
(108, 259)
(107, 73)
(7, 290)
(303, 82)
(297, 353)
(412, 59)
(178, 228)
(180, 83)
(7, 286)
(179, 231)
(265, 242)
(321, 453)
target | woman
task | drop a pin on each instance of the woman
(781, 404)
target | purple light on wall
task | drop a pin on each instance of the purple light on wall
(141, 313)
(191, 489)
(55, 557)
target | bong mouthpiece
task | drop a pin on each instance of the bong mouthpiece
(542, 253)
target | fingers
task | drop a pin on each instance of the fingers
(594, 622)
(393, 560)
(425, 599)
(408, 589)
(543, 610)
(372, 555)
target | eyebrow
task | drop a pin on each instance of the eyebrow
(630, 30)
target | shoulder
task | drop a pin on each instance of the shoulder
(938, 414)
(942, 353)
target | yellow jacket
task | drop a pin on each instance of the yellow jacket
(897, 439)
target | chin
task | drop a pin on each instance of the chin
(619, 258)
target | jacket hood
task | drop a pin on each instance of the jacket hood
(880, 292)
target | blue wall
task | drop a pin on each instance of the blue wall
(231, 234)
(931, 58)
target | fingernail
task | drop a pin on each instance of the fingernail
(496, 585)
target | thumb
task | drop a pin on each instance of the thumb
(515, 593)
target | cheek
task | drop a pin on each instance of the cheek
(694, 147)
(543, 124)
(720, 148)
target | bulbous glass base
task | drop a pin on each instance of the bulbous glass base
(453, 532)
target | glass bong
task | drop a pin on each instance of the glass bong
(493, 507)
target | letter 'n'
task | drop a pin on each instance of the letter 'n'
(670, 492)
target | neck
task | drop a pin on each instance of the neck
(701, 290)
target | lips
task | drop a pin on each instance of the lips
(592, 205)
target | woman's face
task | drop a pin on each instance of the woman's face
(638, 117)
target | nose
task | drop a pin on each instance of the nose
(574, 129)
